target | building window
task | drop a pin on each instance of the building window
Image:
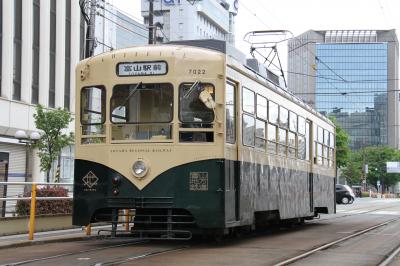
(67, 82)
(17, 49)
(82, 39)
(52, 72)
(35, 51)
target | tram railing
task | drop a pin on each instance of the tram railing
(33, 199)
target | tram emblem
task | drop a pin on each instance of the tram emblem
(90, 180)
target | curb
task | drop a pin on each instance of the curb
(25, 243)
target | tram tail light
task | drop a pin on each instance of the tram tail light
(115, 191)
(116, 180)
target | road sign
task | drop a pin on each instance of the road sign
(378, 183)
(393, 167)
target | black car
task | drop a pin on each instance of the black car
(344, 194)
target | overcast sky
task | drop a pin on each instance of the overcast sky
(299, 16)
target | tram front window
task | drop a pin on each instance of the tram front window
(142, 111)
(196, 104)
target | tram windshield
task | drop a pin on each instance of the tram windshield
(142, 111)
(196, 103)
(142, 103)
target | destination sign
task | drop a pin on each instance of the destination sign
(142, 69)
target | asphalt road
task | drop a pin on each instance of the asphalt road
(267, 248)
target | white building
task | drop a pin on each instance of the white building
(192, 19)
(38, 62)
(41, 41)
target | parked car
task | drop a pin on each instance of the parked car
(344, 194)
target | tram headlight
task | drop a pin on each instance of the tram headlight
(139, 169)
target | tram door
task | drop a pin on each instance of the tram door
(310, 156)
(232, 189)
(3, 178)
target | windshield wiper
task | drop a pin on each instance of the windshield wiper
(191, 89)
(130, 94)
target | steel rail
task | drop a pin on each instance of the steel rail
(351, 214)
(73, 253)
(390, 257)
(329, 244)
(137, 257)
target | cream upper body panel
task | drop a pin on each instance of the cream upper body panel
(184, 65)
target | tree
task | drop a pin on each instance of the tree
(376, 158)
(353, 170)
(52, 139)
(342, 144)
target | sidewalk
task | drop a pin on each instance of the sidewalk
(49, 237)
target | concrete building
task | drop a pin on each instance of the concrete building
(39, 49)
(189, 20)
(116, 30)
(41, 41)
(352, 75)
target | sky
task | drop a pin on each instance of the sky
(299, 16)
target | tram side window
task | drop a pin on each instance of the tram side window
(302, 152)
(292, 144)
(273, 112)
(262, 107)
(301, 125)
(196, 104)
(248, 101)
(93, 115)
(302, 147)
(282, 141)
(248, 130)
(307, 131)
(260, 134)
(292, 121)
(331, 149)
(93, 101)
(230, 114)
(272, 138)
(283, 117)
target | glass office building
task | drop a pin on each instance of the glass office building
(352, 75)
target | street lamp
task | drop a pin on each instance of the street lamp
(23, 137)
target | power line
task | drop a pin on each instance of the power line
(123, 12)
(344, 93)
(116, 23)
(121, 18)
(254, 14)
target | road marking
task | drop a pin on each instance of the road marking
(84, 258)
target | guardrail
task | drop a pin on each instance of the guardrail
(33, 198)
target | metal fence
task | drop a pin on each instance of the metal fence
(33, 198)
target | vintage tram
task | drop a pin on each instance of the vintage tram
(194, 141)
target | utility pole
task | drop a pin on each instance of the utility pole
(90, 30)
(151, 26)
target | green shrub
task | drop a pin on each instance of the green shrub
(62, 206)
(365, 194)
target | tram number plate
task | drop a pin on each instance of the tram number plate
(142, 69)
(198, 181)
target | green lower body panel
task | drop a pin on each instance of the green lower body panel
(194, 188)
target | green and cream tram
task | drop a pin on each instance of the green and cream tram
(194, 141)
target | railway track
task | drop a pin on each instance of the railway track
(352, 213)
(328, 245)
(141, 256)
(67, 254)
(103, 262)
